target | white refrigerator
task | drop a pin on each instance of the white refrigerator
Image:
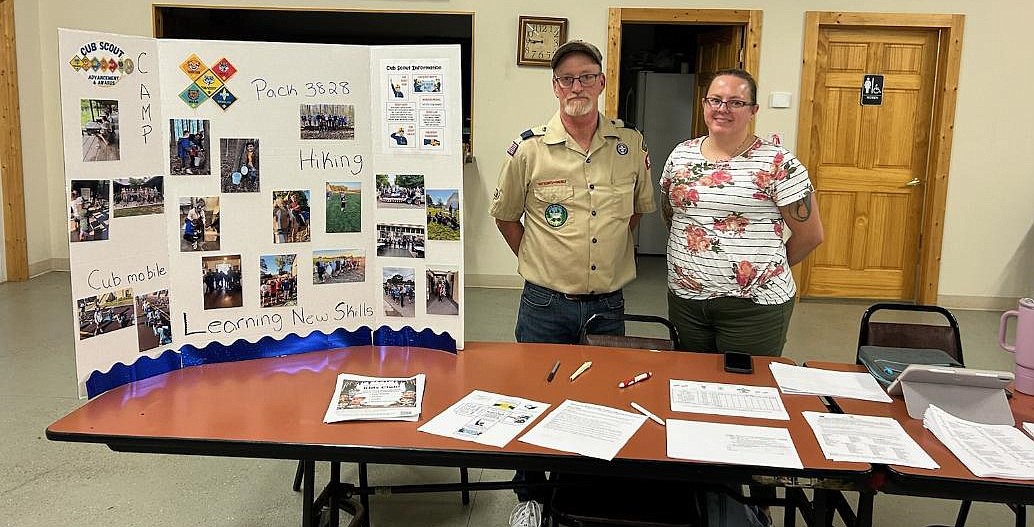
(664, 113)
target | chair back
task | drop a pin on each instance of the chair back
(946, 338)
(624, 341)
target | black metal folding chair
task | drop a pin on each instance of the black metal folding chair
(945, 337)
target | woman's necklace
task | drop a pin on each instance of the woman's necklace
(739, 150)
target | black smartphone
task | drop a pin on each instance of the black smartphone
(736, 362)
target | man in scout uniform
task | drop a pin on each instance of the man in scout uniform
(581, 182)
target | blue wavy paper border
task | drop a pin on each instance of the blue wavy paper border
(189, 355)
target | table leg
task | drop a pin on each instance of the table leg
(865, 506)
(821, 512)
(364, 498)
(308, 492)
(332, 501)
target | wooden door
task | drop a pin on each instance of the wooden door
(717, 49)
(15, 244)
(869, 163)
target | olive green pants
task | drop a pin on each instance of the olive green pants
(729, 323)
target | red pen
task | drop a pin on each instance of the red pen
(638, 378)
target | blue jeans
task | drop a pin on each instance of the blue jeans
(549, 316)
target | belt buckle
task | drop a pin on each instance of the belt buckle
(579, 298)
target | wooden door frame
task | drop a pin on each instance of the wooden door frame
(15, 244)
(748, 18)
(949, 28)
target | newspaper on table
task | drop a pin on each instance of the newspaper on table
(988, 451)
(357, 397)
(486, 418)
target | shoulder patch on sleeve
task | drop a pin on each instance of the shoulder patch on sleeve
(532, 132)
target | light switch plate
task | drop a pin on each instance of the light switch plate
(779, 99)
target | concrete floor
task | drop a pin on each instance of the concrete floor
(52, 484)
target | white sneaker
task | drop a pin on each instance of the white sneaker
(526, 514)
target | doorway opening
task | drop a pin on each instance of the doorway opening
(659, 63)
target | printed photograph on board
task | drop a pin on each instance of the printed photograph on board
(199, 223)
(153, 321)
(239, 165)
(443, 290)
(138, 196)
(290, 216)
(221, 281)
(399, 291)
(326, 121)
(338, 266)
(443, 215)
(344, 206)
(105, 313)
(89, 210)
(98, 121)
(400, 240)
(279, 280)
(189, 145)
(400, 191)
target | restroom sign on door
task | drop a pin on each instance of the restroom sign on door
(872, 90)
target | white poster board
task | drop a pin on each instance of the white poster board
(222, 192)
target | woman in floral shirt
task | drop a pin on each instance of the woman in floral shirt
(727, 198)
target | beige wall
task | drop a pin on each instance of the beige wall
(988, 249)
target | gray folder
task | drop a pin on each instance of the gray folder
(973, 395)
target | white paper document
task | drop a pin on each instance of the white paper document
(988, 451)
(486, 418)
(587, 429)
(762, 402)
(763, 446)
(1029, 427)
(867, 439)
(798, 380)
(357, 397)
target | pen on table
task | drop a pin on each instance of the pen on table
(552, 373)
(648, 413)
(638, 378)
(581, 369)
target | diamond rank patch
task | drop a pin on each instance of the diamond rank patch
(193, 66)
(112, 64)
(95, 64)
(224, 98)
(209, 82)
(223, 69)
(193, 96)
(75, 63)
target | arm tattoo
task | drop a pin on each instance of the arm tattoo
(801, 209)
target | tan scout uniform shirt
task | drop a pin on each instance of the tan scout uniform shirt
(576, 205)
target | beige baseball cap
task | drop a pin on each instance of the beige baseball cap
(576, 46)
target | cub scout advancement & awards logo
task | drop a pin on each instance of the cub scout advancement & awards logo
(102, 62)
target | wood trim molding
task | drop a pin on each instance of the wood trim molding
(941, 135)
(945, 96)
(749, 18)
(15, 243)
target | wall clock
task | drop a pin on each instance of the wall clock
(538, 38)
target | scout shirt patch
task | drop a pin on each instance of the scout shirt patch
(622, 149)
(556, 215)
(513, 149)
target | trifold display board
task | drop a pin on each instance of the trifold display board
(224, 192)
